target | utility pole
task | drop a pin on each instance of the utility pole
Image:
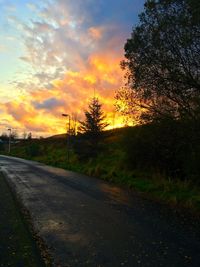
(9, 141)
(68, 137)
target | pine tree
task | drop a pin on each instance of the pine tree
(93, 125)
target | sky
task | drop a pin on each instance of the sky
(55, 55)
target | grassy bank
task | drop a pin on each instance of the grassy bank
(111, 165)
(17, 247)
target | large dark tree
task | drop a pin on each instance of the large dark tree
(93, 127)
(162, 60)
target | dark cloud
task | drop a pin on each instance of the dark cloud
(48, 104)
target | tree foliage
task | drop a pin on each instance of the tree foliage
(29, 136)
(163, 60)
(94, 122)
(13, 136)
(92, 127)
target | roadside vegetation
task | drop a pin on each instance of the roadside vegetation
(17, 246)
(129, 157)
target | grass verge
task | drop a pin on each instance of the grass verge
(182, 194)
(174, 192)
(17, 246)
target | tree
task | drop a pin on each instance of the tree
(29, 136)
(14, 135)
(93, 126)
(24, 135)
(94, 123)
(4, 137)
(162, 60)
(73, 124)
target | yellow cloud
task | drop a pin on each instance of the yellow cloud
(102, 76)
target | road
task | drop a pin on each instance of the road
(88, 222)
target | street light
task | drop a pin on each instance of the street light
(9, 142)
(68, 137)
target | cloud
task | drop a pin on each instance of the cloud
(72, 50)
(31, 6)
(20, 111)
(40, 110)
(66, 34)
(10, 7)
(96, 32)
(48, 104)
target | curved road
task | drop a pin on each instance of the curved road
(88, 222)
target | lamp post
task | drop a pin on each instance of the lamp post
(9, 141)
(68, 137)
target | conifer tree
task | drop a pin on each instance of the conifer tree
(93, 126)
(94, 122)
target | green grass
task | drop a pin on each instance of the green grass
(17, 247)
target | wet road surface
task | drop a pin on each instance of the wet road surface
(88, 222)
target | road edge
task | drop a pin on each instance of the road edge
(40, 244)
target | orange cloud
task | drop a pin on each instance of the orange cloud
(96, 32)
(40, 111)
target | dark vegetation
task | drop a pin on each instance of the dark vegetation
(17, 246)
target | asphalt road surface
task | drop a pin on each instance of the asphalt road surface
(88, 222)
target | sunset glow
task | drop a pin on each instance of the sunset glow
(56, 55)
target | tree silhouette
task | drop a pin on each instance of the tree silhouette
(29, 136)
(94, 122)
(163, 60)
(93, 125)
